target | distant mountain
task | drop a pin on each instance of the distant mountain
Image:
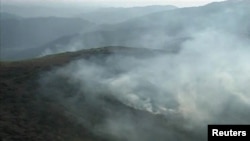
(168, 29)
(31, 32)
(117, 15)
(33, 10)
(5, 16)
(24, 33)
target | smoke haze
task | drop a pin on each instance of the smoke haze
(205, 83)
(200, 74)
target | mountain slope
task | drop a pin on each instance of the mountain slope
(31, 114)
(111, 92)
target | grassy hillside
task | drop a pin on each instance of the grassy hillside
(27, 115)
(24, 115)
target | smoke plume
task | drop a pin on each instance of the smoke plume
(170, 96)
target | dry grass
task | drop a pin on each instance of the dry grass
(27, 117)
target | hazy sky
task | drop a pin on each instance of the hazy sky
(124, 3)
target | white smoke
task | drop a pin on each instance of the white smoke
(207, 82)
(176, 94)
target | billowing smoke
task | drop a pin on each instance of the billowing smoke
(163, 97)
(206, 83)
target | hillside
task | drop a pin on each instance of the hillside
(111, 92)
(29, 114)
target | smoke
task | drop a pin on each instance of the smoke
(74, 46)
(162, 97)
(206, 83)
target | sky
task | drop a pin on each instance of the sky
(117, 3)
